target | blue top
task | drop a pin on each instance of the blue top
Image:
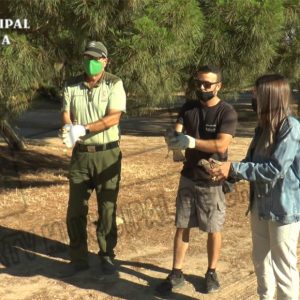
(275, 182)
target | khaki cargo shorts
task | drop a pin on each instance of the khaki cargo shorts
(200, 206)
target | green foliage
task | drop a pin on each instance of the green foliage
(241, 37)
(23, 65)
(152, 44)
(160, 43)
(287, 58)
(93, 17)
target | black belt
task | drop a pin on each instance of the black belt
(96, 148)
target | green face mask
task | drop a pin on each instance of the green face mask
(93, 67)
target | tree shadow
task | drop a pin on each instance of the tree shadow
(15, 164)
(25, 254)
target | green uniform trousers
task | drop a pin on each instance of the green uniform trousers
(88, 171)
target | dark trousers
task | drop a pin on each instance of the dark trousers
(88, 171)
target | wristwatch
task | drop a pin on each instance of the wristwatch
(87, 131)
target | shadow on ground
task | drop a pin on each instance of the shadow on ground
(26, 254)
(13, 164)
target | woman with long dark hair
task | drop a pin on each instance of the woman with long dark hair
(272, 165)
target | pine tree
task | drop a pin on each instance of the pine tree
(287, 58)
(149, 42)
(241, 37)
(159, 42)
(152, 44)
(28, 62)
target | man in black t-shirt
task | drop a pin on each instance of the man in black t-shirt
(209, 125)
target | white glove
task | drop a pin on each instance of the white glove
(64, 134)
(66, 128)
(181, 142)
(77, 131)
(72, 133)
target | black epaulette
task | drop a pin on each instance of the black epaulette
(73, 81)
(110, 79)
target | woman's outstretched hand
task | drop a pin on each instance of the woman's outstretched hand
(220, 171)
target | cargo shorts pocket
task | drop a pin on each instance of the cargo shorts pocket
(221, 206)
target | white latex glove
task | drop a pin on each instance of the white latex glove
(181, 142)
(76, 132)
(66, 128)
(64, 134)
(70, 134)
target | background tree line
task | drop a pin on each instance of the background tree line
(153, 45)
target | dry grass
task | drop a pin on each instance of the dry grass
(35, 184)
(34, 198)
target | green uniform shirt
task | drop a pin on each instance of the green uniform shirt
(89, 105)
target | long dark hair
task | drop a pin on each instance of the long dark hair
(273, 95)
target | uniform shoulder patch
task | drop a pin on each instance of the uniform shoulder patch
(75, 80)
(110, 78)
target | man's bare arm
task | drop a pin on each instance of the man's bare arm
(178, 127)
(219, 145)
(112, 118)
(66, 118)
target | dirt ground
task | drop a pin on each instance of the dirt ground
(33, 245)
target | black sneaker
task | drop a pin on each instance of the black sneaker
(71, 269)
(108, 266)
(172, 282)
(211, 282)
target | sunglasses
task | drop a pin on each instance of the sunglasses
(206, 84)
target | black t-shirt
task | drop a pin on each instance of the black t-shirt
(205, 123)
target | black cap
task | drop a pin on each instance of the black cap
(96, 49)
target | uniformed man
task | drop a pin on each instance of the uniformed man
(92, 108)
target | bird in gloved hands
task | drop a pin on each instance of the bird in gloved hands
(177, 154)
(181, 142)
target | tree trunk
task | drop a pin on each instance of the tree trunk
(11, 136)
